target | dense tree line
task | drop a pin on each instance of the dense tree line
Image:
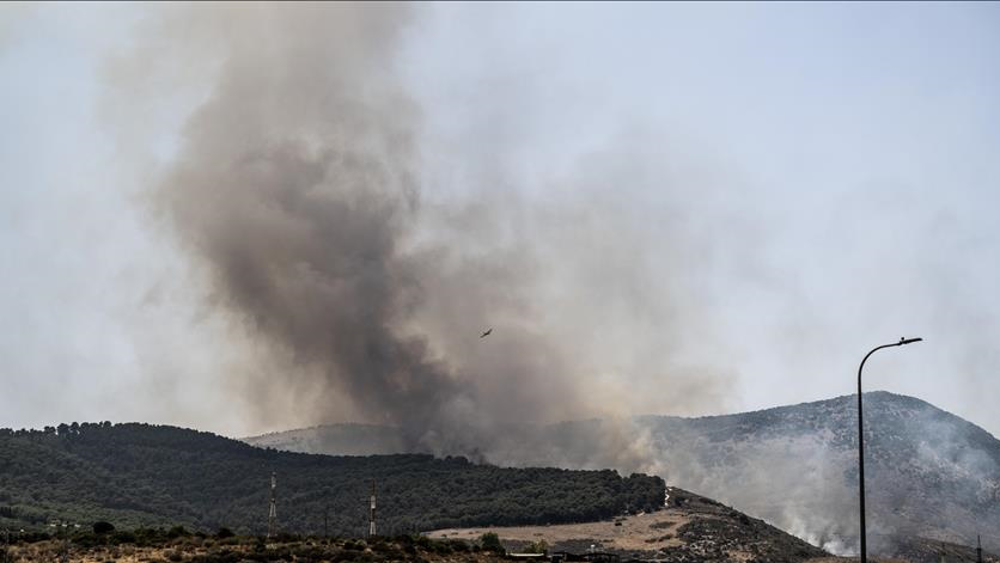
(142, 475)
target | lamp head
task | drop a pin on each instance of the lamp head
(903, 341)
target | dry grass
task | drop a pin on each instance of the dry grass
(188, 550)
(637, 533)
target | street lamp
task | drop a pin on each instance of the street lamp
(861, 440)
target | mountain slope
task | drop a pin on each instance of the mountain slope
(929, 473)
(134, 474)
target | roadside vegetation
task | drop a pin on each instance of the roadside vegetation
(179, 546)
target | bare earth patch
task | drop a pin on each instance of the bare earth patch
(639, 533)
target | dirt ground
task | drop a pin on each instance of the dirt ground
(636, 533)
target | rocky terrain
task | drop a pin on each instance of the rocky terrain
(932, 551)
(930, 474)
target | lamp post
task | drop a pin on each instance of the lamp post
(861, 440)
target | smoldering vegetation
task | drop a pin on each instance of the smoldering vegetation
(930, 474)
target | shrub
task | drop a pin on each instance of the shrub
(541, 546)
(491, 542)
(123, 537)
(102, 527)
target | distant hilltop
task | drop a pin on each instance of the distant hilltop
(336, 439)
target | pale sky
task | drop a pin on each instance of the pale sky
(828, 176)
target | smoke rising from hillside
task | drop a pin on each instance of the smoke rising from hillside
(357, 251)
(295, 187)
(299, 189)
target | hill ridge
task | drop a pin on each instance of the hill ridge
(137, 474)
(794, 466)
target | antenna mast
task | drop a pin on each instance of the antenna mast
(272, 513)
(371, 513)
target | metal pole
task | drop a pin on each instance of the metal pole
(272, 511)
(861, 442)
(65, 553)
(371, 515)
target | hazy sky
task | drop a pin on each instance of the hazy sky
(792, 184)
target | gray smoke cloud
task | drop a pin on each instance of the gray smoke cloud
(294, 189)
(298, 191)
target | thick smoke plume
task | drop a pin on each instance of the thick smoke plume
(299, 189)
(296, 187)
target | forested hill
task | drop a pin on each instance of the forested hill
(143, 475)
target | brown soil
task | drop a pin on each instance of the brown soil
(639, 533)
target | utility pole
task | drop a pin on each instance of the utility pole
(979, 549)
(272, 513)
(326, 522)
(371, 513)
(65, 552)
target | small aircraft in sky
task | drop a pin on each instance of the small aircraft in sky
(487, 333)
